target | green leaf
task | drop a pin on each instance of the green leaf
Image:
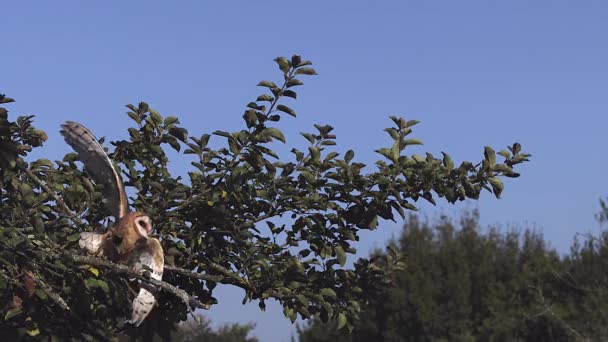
(330, 156)
(273, 132)
(170, 120)
(94, 271)
(4, 99)
(33, 332)
(490, 155)
(12, 313)
(134, 117)
(233, 145)
(41, 294)
(385, 152)
(43, 162)
(302, 299)
(327, 292)
(290, 93)
(418, 158)
(156, 117)
(504, 153)
(283, 63)
(306, 71)
(287, 110)
(350, 154)
(340, 255)
(516, 148)
(315, 154)
(265, 97)
(373, 223)
(294, 82)
(309, 137)
(174, 144)
(447, 161)
(296, 60)
(310, 178)
(179, 132)
(497, 186)
(223, 134)
(395, 152)
(267, 84)
(392, 132)
(250, 118)
(289, 313)
(341, 320)
(408, 142)
(103, 285)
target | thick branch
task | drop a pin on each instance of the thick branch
(122, 269)
(208, 277)
(223, 270)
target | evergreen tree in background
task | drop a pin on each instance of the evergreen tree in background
(461, 283)
(200, 330)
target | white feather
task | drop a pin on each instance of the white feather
(91, 241)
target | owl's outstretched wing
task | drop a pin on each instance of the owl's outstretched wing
(147, 257)
(99, 166)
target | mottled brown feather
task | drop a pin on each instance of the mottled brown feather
(99, 165)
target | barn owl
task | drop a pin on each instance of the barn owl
(128, 241)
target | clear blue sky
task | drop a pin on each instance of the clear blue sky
(474, 73)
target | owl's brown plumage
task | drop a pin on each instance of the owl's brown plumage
(99, 166)
(127, 241)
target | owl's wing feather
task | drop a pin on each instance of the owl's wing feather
(91, 241)
(99, 165)
(151, 257)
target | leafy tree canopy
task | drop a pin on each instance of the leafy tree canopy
(277, 228)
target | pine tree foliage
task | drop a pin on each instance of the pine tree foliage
(462, 283)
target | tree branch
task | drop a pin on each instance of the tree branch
(122, 269)
(221, 269)
(548, 309)
(209, 277)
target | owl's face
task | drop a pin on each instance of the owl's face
(143, 225)
(130, 229)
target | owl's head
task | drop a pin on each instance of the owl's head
(130, 229)
(142, 224)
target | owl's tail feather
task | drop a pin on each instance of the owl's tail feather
(142, 305)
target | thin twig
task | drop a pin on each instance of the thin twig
(547, 308)
(56, 298)
(208, 277)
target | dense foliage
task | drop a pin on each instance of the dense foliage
(277, 228)
(463, 284)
